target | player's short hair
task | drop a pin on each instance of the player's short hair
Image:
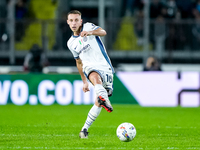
(74, 12)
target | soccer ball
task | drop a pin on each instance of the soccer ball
(126, 132)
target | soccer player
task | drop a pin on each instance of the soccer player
(93, 64)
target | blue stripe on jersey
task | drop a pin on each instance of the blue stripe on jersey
(97, 28)
(76, 57)
(75, 36)
(86, 75)
(104, 52)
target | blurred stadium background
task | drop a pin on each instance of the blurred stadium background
(136, 29)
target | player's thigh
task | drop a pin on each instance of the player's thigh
(95, 78)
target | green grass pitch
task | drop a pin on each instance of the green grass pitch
(57, 127)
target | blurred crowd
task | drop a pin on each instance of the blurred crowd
(165, 8)
(174, 21)
(21, 12)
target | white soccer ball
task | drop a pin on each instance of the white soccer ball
(126, 132)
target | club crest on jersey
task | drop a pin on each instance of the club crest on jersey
(84, 39)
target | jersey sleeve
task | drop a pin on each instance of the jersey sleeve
(90, 26)
(74, 53)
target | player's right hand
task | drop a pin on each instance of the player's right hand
(85, 87)
(86, 33)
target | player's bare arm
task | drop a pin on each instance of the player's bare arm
(84, 79)
(97, 32)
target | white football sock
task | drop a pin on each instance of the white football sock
(92, 115)
(101, 91)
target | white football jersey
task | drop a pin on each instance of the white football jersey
(90, 50)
